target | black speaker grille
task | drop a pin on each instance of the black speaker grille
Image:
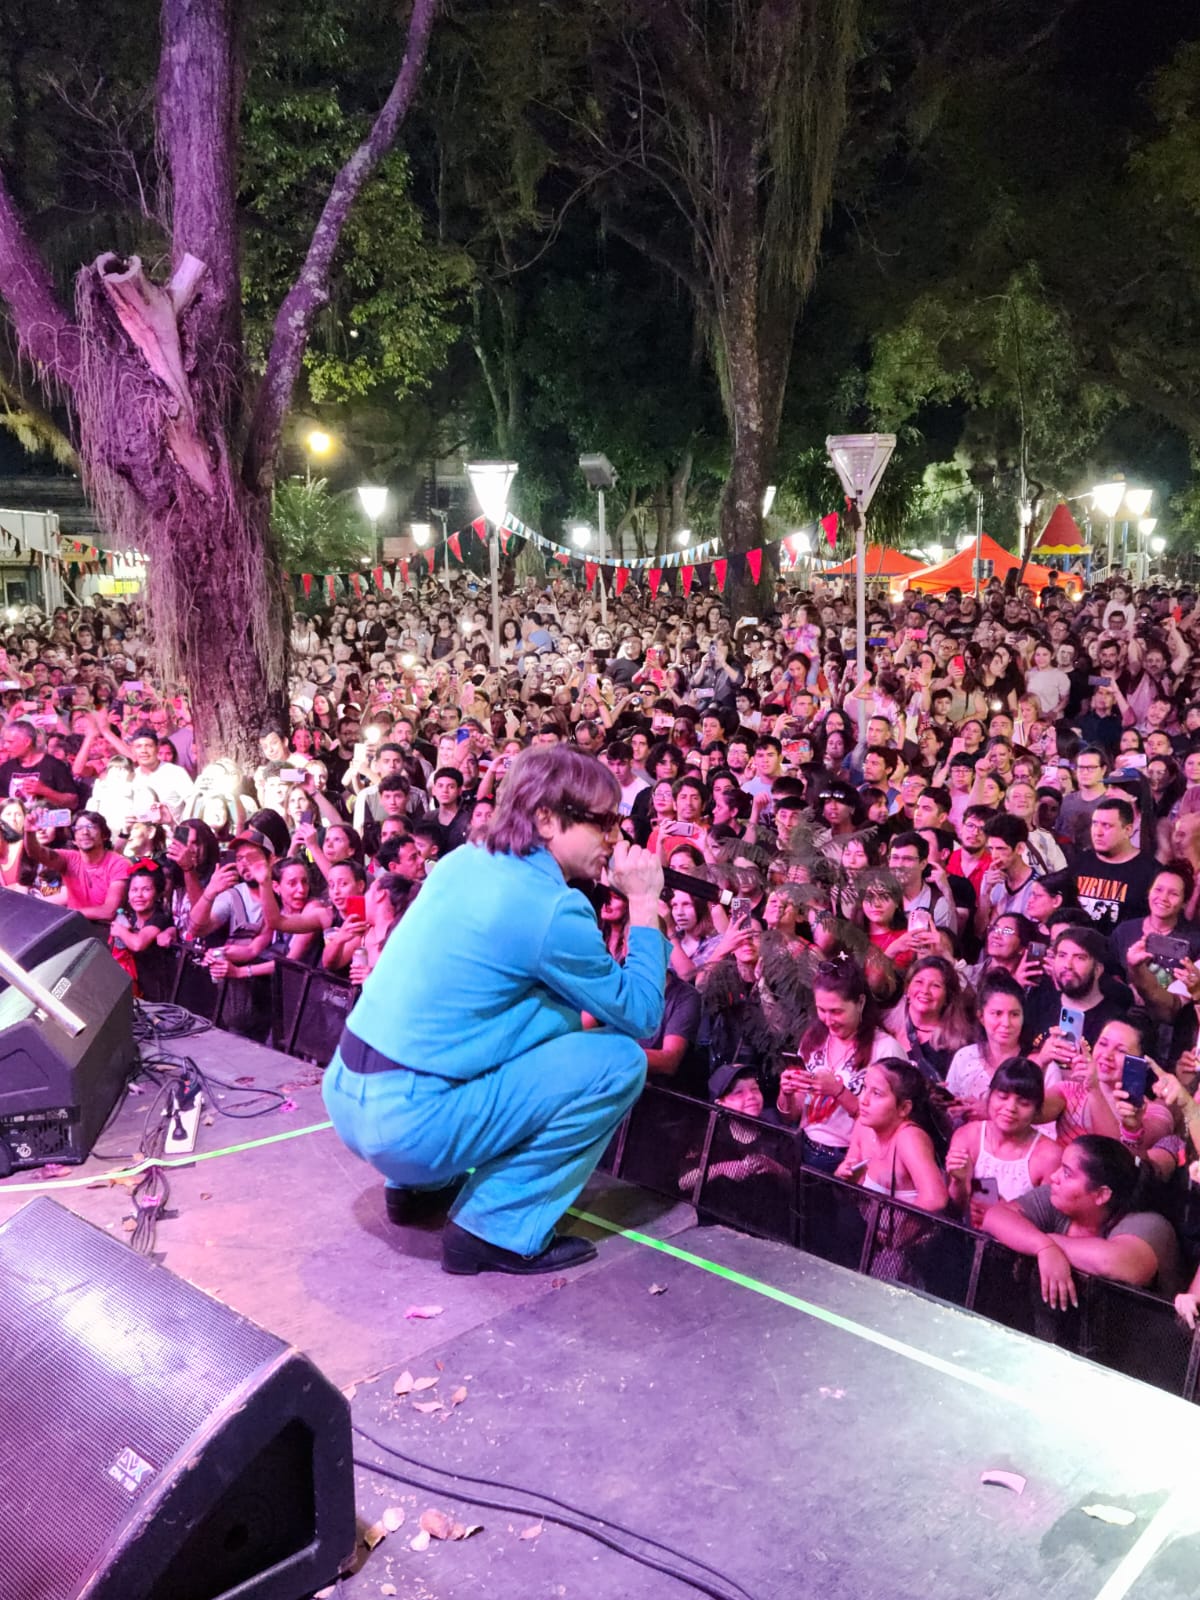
(111, 1367)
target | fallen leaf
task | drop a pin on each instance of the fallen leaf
(350, 1391)
(393, 1518)
(440, 1365)
(1119, 1517)
(287, 1105)
(403, 1383)
(423, 1383)
(419, 1541)
(457, 1398)
(374, 1535)
(1004, 1480)
(437, 1524)
(423, 1312)
(463, 1531)
(54, 1169)
(206, 1197)
(129, 1224)
(243, 1080)
(208, 1122)
(535, 1532)
(387, 1588)
(558, 1283)
(323, 1594)
(427, 1407)
(658, 1288)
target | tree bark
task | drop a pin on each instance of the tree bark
(156, 379)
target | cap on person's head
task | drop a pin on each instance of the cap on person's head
(722, 1080)
(268, 831)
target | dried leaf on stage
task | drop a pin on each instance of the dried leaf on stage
(423, 1312)
(403, 1384)
(373, 1535)
(387, 1588)
(243, 1080)
(1002, 1480)
(438, 1524)
(350, 1391)
(658, 1288)
(1117, 1515)
(393, 1518)
(457, 1398)
(440, 1365)
(464, 1531)
(533, 1533)
(427, 1407)
(423, 1383)
(419, 1541)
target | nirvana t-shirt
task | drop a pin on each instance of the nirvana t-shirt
(1112, 891)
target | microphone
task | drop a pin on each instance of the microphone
(699, 888)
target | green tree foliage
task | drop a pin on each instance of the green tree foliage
(316, 531)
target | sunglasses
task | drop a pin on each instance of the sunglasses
(605, 821)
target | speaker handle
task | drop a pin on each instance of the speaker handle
(38, 995)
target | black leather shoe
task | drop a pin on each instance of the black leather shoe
(407, 1207)
(464, 1253)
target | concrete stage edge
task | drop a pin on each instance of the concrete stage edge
(801, 1429)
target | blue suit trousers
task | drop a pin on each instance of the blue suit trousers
(532, 1129)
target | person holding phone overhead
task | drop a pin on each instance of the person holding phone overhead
(466, 1050)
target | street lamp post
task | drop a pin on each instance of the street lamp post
(860, 460)
(373, 499)
(316, 443)
(600, 474)
(491, 481)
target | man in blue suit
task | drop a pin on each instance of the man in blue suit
(466, 1049)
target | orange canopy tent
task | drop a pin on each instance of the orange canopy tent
(880, 563)
(1061, 536)
(957, 573)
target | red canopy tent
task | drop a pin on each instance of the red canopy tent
(880, 563)
(957, 573)
(1061, 536)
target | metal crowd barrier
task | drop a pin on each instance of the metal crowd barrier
(748, 1175)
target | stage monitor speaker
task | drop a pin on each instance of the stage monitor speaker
(56, 1091)
(32, 928)
(156, 1445)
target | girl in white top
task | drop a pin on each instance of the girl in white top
(890, 1153)
(1007, 1146)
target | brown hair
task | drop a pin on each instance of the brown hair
(560, 778)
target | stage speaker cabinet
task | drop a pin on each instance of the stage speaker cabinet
(56, 1092)
(156, 1445)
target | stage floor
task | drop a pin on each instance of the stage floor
(805, 1431)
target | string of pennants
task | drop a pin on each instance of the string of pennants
(698, 563)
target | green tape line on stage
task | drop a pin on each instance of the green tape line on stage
(978, 1380)
(96, 1179)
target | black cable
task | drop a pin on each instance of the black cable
(566, 1522)
(563, 1505)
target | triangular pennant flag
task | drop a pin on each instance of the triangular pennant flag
(306, 582)
(480, 527)
(356, 585)
(404, 570)
(688, 574)
(754, 564)
(505, 536)
(377, 577)
(720, 570)
(455, 544)
(620, 579)
(829, 526)
(563, 557)
(654, 578)
(331, 586)
(428, 554)
(590, 569)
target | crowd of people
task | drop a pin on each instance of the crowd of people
(959, 949)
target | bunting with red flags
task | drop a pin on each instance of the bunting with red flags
(829, 526)
(306, 579)
(754, 563)
(620, 579)
(455, 543)
(654, 578)
(590, 569)
(720, 569)
(687, 574)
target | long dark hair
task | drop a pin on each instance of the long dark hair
(910, 1083)
(846, 979)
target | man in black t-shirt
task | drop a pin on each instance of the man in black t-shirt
(1075, 977)
(40, 781)
(1113, 878)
